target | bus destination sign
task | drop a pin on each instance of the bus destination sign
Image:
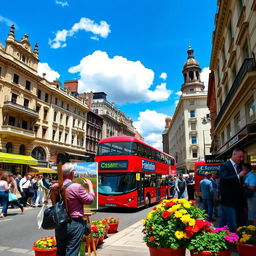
(113, 165)
(148, 166)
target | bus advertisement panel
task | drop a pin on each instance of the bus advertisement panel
(132, 173)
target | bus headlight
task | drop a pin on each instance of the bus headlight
(130, 199)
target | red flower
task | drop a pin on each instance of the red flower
(189, 231)
(193, 202)
(166, 215)
(170, 204)
(154, 208)
(152, 239)
(94, 229)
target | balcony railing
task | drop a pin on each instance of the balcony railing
(15, 106)
(247, 66)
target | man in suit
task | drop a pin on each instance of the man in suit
(231, 190)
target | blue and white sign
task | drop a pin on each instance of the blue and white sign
(148, 166)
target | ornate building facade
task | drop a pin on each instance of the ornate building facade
(37, 117)
(233, 79)
(189, 130)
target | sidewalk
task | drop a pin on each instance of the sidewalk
(128, 242)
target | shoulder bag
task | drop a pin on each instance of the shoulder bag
(56, 215)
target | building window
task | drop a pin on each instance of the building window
(239, 6)
(56, 101)
(193, 140)
(233, 72)
(66, 120)
(14, 98)
(44, 132)
(72, 140)
(28, 85)
(237, 123)
(61, 116)
(225, 91)
(8, 147)
(74, 122)
(16, 78)
(62, 104)
(38, 108)
(45, 114)
(67, 106)
(245, 50)
(26, 103)
(223, 55)
(22, 150)
(223, 138)
(193, 126)
(66, 137)
(194, 153)
(60, 135)
(228, 131)
(192, 113)
(55, 116)
(39, 94)
(191, 103)
(191, 89)
(250, 111)
(39, 153)
(46, 96)
(36, 130)
(230, 32)
(11, 121)
(24, 124)
(53, 134)
(0, 71)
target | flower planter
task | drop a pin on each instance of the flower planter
(113, 227)
(246, 249)
(166, 251)
(207, 253)
(96, 241)
(100, 240)
(106, 233)
(45, 252)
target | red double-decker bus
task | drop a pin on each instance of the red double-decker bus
(132, 173)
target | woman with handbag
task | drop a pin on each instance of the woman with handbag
(14, 194)
(4, 192)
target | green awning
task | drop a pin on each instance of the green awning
(17, 159)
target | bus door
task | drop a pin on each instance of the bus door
(158, 188)
(140, 188)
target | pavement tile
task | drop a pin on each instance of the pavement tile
(2, 248)
(18, 250)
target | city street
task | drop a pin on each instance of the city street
(18, 232)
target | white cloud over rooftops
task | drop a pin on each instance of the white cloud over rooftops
(50, 74)
(123, 80)
(85, 24)
(204, 75)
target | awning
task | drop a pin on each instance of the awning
(43, 170)
(17, 159)
(74, 154)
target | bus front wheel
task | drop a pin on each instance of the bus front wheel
(147, 201)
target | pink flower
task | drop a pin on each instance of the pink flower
(232, 239)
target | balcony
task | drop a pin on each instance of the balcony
(17, 131)
(247, 66)
(12, 106)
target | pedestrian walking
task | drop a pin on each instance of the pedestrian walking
(69, 235)
(232, 202)
(250, 186)
(34, 188)
(40, 191)
(171, 183)
(4, 193)
(216, 193)
(180, 186)
(206, 188)
(25, 184)
(190, 181)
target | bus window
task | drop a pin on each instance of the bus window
(134, 149)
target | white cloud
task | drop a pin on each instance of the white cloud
(176, 102)
(51, 74)
(99, 30)
(6, 21)
(63, 4)
(150, 125)
(163, 76)
(204, 75)
(179, 93)
(123, 80)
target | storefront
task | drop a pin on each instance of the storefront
(17, 164)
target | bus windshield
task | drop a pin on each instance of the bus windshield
(213, 169)
(115, 148)
(116, 183)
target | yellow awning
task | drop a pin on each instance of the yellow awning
(17, 159)
(43, 169)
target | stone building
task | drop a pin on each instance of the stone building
(189, 129)
(232, 83)
(37, 117)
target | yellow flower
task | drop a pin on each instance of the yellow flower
(178, 214)
(183, 201)
(192, 222)
(187, 205)
(185, 218)
(183, 211)
(245, 238)
(179, 234)
(251, 227)
(149, 216)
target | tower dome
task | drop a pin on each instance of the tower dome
(191, 73)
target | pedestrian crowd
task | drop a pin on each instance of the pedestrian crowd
(18, 191)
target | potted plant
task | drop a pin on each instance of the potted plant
(100, 230)
(247, 240)
(45, 246)
(105, 223)
(170, 225)
(217, 242)
(113, 225)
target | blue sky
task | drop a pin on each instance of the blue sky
(134, 50)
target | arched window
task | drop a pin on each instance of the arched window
(39, 153)
(22, 149)
(191, 75)
(9, 147)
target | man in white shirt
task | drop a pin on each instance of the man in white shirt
(25, 184)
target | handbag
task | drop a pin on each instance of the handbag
(56, 215)
(248, 192)
(12, 197)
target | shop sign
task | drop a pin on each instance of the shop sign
(233, 141)
(210, 159)
(253, 159)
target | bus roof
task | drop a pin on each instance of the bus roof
(129, 139)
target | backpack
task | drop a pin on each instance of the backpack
(57, 214)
